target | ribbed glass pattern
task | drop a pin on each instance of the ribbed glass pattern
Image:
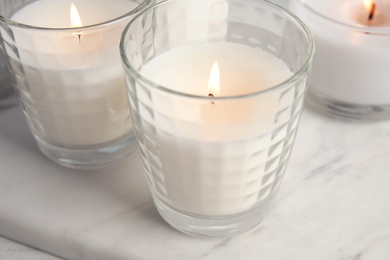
(69, 81)
(195, 162)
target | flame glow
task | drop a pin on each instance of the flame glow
(214, 80)
(368, 4)
(75, 20)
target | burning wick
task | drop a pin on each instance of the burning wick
(79, 36)
(75, 20)
(211, 95)
(372, 12)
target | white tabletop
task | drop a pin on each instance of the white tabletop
(334, 202)
(12, 250)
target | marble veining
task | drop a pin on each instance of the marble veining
(12, 250)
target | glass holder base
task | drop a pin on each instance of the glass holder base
(214, 227)
(356, 112)
(91, 157)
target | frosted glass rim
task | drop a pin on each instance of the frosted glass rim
(140, 6)
(362, 29)
(304, 69)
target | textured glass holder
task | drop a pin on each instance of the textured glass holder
(70, 85)
(210, 176)
(350, 76)
(6, 89)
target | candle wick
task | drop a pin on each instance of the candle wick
(372, 12)
(79, 35)
(211, 95)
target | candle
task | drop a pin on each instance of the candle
(227, 182)
(77, 91)
(361, 13)
(350, 69)
(67, 71)
(215, 91)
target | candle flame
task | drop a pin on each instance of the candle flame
(368, 4)
(214, 80)
(370, 7)
(75, 20)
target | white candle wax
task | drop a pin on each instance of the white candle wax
(213, 156)
(243, 70)
(352, 57)
(56, 14)
(74, 93)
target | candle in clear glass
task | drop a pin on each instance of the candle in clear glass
(242, 70)
(350, 68)
(215, 151)
(69, 80)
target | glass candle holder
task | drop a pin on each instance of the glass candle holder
(214, 156)
(66, 70)
(351, 65)
(5, 84)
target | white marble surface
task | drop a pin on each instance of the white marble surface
(13, 250)
(333, 204)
